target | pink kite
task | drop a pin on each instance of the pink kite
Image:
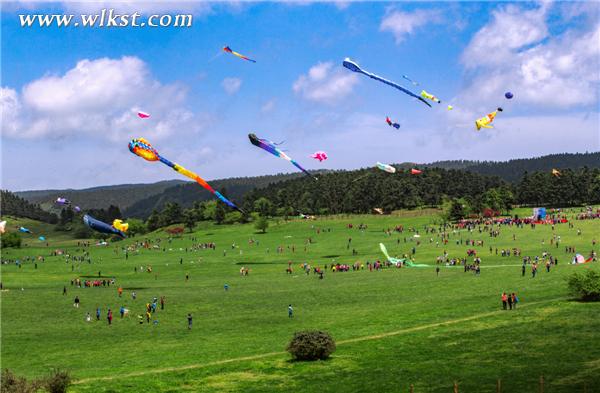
(415, 172)
(319, 155)
(143, 115)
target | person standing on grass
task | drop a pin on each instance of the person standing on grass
(76, 302)
(189, 319)
(523, 270)
(510, 302)
(109, 316)
(97, 313)
(504, 300)
(515, 300)
(437, 271)
(162, 302)
(122, 311)
(120, 291)
(548, 266)
(290, 311)
(64, 290)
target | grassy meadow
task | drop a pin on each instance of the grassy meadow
(393, 327)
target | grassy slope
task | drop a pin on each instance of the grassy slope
(548, 335)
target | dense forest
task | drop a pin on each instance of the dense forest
(11, 204)
(359, 191)
(513, 170)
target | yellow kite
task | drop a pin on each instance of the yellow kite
(486, 120)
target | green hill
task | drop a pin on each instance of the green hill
(122, 195)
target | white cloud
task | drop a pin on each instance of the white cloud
(402, 24)
(515, 52)
(231, 85)
(98, 98)
(268, 106)
(511, 29)
(325, 84)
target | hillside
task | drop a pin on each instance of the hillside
(122, 195)
(138, 200)
(11, 204)
(188, 193)
(513, 170)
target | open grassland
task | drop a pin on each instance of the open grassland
(393, 327)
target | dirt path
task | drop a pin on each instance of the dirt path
(341, 342)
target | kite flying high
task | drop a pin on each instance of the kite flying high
(486, 120)
(143, 148)
(271, 148)
(228, 50)
(352, 66)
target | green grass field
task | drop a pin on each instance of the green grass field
(393, 327)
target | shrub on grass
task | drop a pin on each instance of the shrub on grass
(311, 345)
(12, 383)
(58, 381)
(585, 285)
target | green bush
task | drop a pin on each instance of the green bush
(311, 345)
(10, 239)
(585, 285)
(58, 381)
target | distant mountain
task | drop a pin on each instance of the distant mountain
(122, 195)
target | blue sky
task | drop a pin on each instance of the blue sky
(69, 96)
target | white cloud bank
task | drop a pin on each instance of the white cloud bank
(516, 52)
(402, 24)
(98, 98)
(324, 84)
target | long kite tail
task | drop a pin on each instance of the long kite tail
(178, 168)
(397, 86)
(302, 169)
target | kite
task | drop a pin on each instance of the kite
(228, 50)
(450, 107)
(143, 115)
(42, 238)
(271, 148)
(410, 80)
(24, 230)
(429, 96)
(391, 123)
(63, 201)
(352, 66)
(397, 261)
(486, 120)
(578, 258)
(415, 171)
(2, 227)
(385, 167)
(120, 225)
(143, 148)
(319, 155)
(556, 173)
(100, 226)
(77, 209)
(378, 210)
(508, 95)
